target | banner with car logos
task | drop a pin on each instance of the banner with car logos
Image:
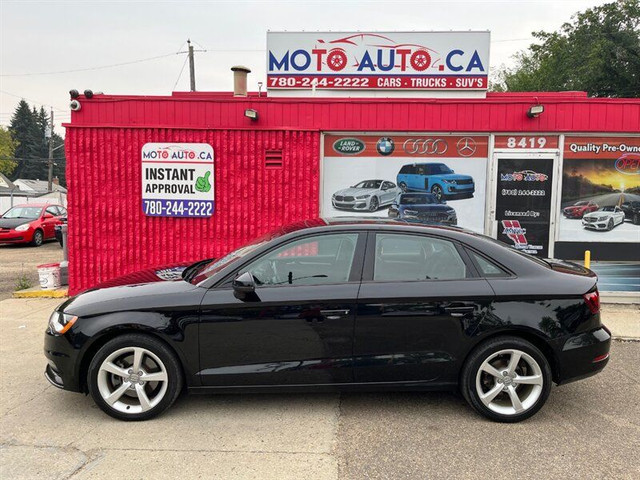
(600, 190)
(421, 178)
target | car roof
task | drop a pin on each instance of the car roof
(39, 205)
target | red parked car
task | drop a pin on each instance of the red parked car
(579, 209)
(31, 223)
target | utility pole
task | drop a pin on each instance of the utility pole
(192, 67)
(49, 185)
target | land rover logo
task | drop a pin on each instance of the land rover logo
(349, 146)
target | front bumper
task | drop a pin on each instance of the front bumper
(572, 214)
(11, 236)
(584, 354)
(354, 205)
(454, 189)
(61, 369)
(599, 225)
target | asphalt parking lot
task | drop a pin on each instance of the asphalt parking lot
(19, 260)
(588, 429)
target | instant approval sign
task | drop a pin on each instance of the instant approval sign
(178, 180)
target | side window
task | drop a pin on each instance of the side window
(322, 259)
(487, 268)
(401, 257)
(63, 211)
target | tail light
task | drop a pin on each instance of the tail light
(592, 299)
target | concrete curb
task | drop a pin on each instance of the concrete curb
(37, 292)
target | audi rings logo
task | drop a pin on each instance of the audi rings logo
(425, 146)
(466, 146)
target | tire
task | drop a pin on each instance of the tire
(38, 238)
(437, 191)
(636, 219)
(403, 187)
(110, 372)
(374, 204)
(610, 225)
(499, 389)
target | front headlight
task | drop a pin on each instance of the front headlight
(362, 197)
(602, 219)
(23, 227)
(60, 323)
(453, 182)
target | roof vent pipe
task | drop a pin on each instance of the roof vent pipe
(240, 80)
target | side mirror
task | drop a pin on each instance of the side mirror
(244, 283)
(47, 216)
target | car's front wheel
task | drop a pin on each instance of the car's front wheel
(636, 219)
(610, 225)
(134, 377)
(506, 379)
(437, 191)
(403, 187)
(38, 238)
(374, 204)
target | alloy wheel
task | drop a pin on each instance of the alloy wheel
(509, 382)
(373, 205)
(132, 380)
(437, 192)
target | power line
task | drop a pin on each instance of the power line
(22, 97)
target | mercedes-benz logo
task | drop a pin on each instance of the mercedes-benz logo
(425, 146)
(466, 146)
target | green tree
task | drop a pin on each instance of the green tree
(7, 149)
(598, 52)
(27, 130)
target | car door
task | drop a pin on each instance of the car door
(48, 224)
(419, 304)
(297, 327)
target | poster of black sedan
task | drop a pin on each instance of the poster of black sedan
(601, 190)
(421, 178)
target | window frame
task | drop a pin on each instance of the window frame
(369, 262)
(355, 275)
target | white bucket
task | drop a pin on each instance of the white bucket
(49, 275)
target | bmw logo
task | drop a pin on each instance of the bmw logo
(385, 146)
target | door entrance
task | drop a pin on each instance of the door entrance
(524, 192)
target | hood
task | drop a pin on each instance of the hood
(455, 176)
(355, 192)
(14, 222)
(596, 214)
(150, 288)
(428, 207)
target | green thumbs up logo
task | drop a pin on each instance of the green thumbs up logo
(203, 184)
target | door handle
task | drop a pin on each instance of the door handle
(459, 310)
(334, 314)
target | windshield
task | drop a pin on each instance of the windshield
(369, 184)
(581, 203)
(417, 199)
(441, 168)
(608, 209)
(23, 212)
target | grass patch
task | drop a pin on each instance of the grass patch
(23, 283)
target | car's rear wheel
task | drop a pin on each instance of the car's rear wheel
(134, 377)
(437, 191)
(506, 379)
(374, 204)
(38, 238)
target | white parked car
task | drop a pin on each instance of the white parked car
(603, 219)
(367, 195)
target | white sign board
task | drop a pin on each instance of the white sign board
(378, 61)
(178, 180)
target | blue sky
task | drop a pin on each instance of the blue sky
(38, 37)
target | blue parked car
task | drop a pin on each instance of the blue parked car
(423, 208)
(436, 178)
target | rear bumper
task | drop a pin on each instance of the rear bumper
(584, 354)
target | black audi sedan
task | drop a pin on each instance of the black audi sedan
(336, 304)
